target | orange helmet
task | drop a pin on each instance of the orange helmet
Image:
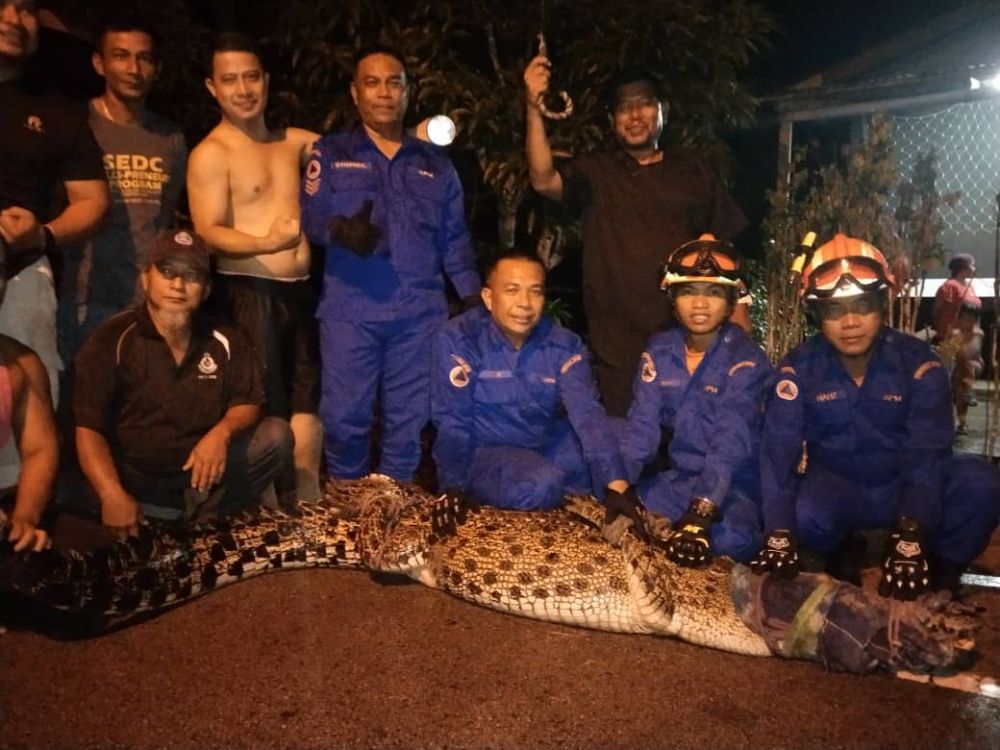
(705, 259)
(845, 267)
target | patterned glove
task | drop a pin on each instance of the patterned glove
(780, 556)
(356, 232)
(622, 510)
(450, 510)
(689, 544)
(905, 572)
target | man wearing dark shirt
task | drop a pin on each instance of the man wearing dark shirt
(636, 202)
(46, 147)
(168, 406)
(45, 143)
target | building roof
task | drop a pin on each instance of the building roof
(929, 63)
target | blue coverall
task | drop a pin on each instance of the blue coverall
(518, 428)
(874, 452)
(715, 417)
(377, 314)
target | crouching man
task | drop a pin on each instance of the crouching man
(168, 404)
(871, 409)
(518, 419)
(704, 380)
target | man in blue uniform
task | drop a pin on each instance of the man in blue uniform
(388, 208)
(705, 380)
(872, 408)
(518, 417)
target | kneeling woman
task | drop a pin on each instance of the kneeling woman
(704, 381)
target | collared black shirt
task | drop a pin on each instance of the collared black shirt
(151, 410)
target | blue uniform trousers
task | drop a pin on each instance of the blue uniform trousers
(361, 361)
(507, 476)
(829, 506)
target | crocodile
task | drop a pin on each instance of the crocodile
(553, 565)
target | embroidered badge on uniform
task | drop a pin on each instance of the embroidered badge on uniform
(458, 376)
(710, 388)
(786, 390)
(207, 365)
(311, 183)
(648, 372)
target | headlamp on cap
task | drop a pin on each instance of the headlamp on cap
(706, 260)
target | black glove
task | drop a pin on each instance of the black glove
(905, 572)
(780, 556)
(450, 510)
(619, 505)
(356, 232)
(688, 544)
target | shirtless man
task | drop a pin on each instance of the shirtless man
(243, 184)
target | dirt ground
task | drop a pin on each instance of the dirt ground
(334, 659)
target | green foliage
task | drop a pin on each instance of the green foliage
(467, 59)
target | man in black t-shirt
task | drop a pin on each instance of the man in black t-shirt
(168, 404)
(45, 145)
(636, 202)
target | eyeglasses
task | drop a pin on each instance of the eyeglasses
(835, 309)
(186, 273)
(629, 105)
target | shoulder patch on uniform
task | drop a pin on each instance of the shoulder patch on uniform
(311, 182)
(648, 371)
(740, 365)
(787, 390)
(568, 364)
(789, 369)
(458, 376)
(925, 368)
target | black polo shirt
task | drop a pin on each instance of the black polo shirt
(151, 410)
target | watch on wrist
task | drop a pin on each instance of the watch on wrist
(703, 507)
